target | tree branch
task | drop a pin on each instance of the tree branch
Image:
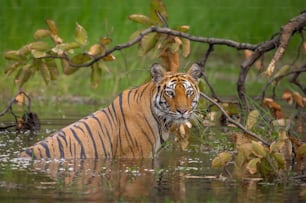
(208, 40)
(253, 135)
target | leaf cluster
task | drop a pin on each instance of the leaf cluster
(167, 46)
(42, 56)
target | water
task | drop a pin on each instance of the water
(174, 176)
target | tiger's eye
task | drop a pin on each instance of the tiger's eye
(170, 93)
(189, 92)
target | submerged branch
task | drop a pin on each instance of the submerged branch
(240, 126)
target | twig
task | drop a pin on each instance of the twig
(202, 63)
(295, 74)
(253, 135)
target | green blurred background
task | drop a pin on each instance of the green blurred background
(242, 20)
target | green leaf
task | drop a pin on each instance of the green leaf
(157, 6)
(67, 69)
(45, 73)
(39, 46)
(148, 42)
(252, 119)
(95, 75)
(142, 19)
(240, 160)
(283, 70)
(258, 149)
(80, 35)
(80, 59)
(252, 165)
(280, 160)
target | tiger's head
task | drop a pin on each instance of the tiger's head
(177, 94)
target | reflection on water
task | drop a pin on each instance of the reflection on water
(172, 177)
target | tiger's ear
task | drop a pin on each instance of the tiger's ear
(195, 71)
(157, 72)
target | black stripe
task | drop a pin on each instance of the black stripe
(130, 140)
(82, 155)
(144, 89)
(92, 138)
(45, 146)
(129, 94)
(30, 153)
(62, 135)
(100, 136)
(60, 147)
(108, 119)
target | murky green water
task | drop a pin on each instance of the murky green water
(172, 177)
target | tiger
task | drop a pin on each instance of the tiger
(134, 125)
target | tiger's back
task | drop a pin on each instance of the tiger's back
(135, 124)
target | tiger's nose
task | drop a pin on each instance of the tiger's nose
(181, 110)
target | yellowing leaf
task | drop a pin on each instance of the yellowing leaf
(183, 28)
(221, 160)
(95, 50)
(67, 69)
(41, 33)
(301, 150)
(185, 47)
(12, 55)
(61, 48)
(80, 59)
(105, 40)
(252, 119)
(258, 149)
(252, 165)
(23, 75)
(80, 35)
(52, 66)
(298, 99)
(39, 46)
(45, 73)
(95, 75)
(109, 57)
(142, 19)
(52, 26)
(287, 95)
(11, 68)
